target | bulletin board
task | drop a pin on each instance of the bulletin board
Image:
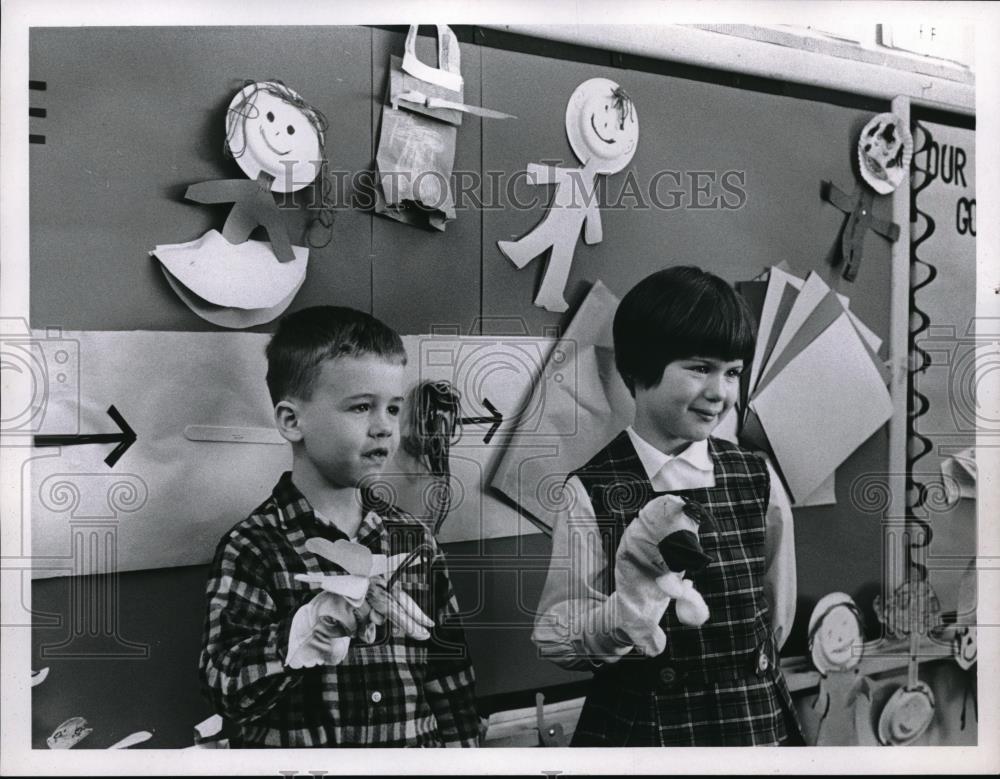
(135, 115)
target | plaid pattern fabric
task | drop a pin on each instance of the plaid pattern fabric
(394, 692)
(715, 685)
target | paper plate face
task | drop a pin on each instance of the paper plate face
(885, 149)
(602, 125)
(266, 132)
(835, 635)
(906, 715)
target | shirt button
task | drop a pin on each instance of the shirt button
(763, 663)
(376, 696)
(668, 676)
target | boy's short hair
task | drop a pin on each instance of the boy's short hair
(305, 339)
(674, 314)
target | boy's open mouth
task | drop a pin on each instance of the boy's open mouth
(376, 454)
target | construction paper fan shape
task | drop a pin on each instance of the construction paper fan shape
(232, 318)
(271, 129)
(602, 125)
(906, 715)
(243, 275)
(885, 148)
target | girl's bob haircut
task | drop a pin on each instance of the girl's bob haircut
(676, 314)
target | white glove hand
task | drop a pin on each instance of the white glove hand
(691, 607)
(399, 609)
(644, 584)
(371, 599)
(321, 632)
(679, 549)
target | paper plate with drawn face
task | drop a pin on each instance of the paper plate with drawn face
(885, 149)
(602, 125)
(835, 635)
(271, 129)
(907, 714)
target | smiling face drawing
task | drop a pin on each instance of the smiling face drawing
(835, 635)
(602, 125)
(270, 134)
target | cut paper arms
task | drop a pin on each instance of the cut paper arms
(603, 131)
(277, 140)
(885, 148)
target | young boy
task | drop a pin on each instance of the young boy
(682, 338)
(296, 666)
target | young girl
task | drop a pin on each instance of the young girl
(682, 337)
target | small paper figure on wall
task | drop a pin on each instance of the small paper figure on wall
(885, 149)
(603, 130)
(840, 714)
(277, 139)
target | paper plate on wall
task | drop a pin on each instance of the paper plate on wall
(602, 125)
(271, 129)
(885, 149)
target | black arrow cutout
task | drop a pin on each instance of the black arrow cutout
(124, 439)
(496, 418)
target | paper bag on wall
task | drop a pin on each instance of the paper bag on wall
(416, 148)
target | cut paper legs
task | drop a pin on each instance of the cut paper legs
(603, 130)
(559, 231)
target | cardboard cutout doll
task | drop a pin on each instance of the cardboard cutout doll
(603, 130)
(885, 148)
(277, 140)
(840, 714)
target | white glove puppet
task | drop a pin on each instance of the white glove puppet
(645, 582)
(352, 604)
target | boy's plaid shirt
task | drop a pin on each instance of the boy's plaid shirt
(394, 692)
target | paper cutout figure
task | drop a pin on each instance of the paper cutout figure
(69, 733)
(277, 139)
(858, 207)
(603, 131)
(420, 120)
(885, 148)
(840, 714)
(915, 611)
